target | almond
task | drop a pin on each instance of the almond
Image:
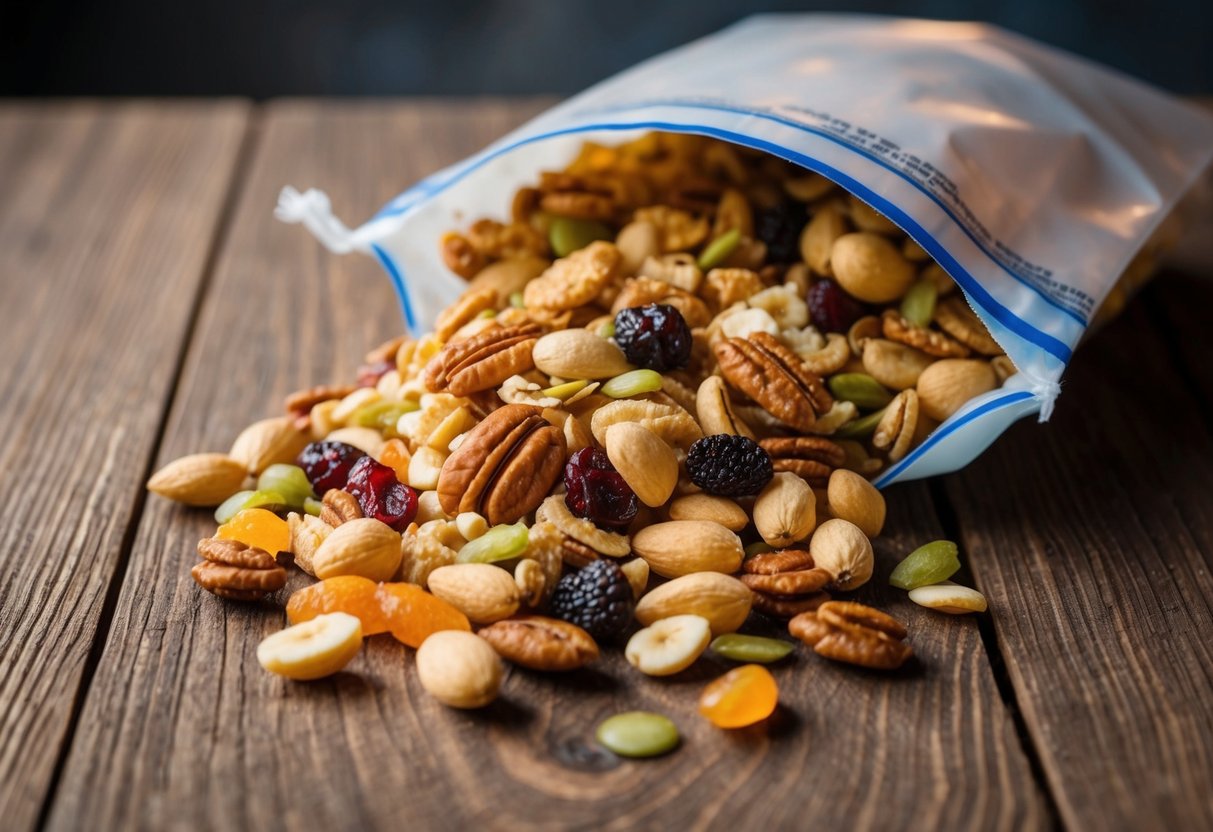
(267, 442)
(680, 547)
(945, 386)
(646, 463)
(723, 600)
(481, 591)
(199, 479)
(579, 353)
(720, 510)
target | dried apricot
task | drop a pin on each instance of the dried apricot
(741, 697)
(395, 455)
(347, 593)
(412, 614)
(259, 528)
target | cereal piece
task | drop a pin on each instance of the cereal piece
(574, 280)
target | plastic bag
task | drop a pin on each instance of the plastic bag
(1030, 175)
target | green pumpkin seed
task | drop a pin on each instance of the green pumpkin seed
(312, 506)
(564, 391)
(632, 383)
(929, 564)
(232, 506)
(918, 305)
(269, 500)
(861, 427)
(485, 314)
(568, 235)
(382, 416)
(719, 249)
(498, 543)
(741, 648)
(516, 300)
(860, 389)
(287, 480)
(638, 734)
(607, 330)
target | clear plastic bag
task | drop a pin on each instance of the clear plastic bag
(1033, 177)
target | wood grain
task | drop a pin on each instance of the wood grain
(1093, 539)
(182, 729)
(108, 216)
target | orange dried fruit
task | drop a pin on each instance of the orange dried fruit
(395, 455)
(350, 594)
(412, 614)
(741, 697)
(259, 528)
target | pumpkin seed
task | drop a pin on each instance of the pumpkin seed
(632, 384)
(860, 389)
(230, 507)
(861, 427)
(741, 648)
(312, 506)
(287, 480)
(383, 416)
(928, 564)
(564, 391)
(516, 300)
(638, 734)
(918, 305)
(607, 330)
(498, 543)
(758, 548)
(948, 597)
(719, 249)
(568, 235)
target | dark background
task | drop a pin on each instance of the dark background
(266, 48)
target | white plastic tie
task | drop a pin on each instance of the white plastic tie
(1046, 392)
(313, 209)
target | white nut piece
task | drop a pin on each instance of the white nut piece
(949, 597)
(459, 669)
(870, 268)
(785, 511)
(367, 440)
(843, 550)
(637, 241)
(669, 645)
(471, 525)
(425, 468)
(853, 498)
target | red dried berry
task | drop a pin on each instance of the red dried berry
(831, 308)
(381, 495)
(597, 492)
(369, 374)
(328, 464)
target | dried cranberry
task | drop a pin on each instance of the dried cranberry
(831, 308)
(369, 374)
(779, 227)
(328, 464)
(381, 495)
(655, 336)
(597, 492)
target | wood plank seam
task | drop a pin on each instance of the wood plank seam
(949, 519)
(244, 155)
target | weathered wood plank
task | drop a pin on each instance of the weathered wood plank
(1093, 539)
(108, 216)
(182, 728)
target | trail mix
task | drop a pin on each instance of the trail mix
(654, 412)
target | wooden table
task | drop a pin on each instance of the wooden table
(153, 307)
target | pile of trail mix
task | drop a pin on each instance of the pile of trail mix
(652, 415)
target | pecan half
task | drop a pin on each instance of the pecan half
(504, 467)
(772, 563)
(230, 569)
(798, 582)
(778, 606)
(302, 401)
(853, 633)
(541, 643)
(482, 362)
(339, 507)
(774, 377)
(813, 458)
(896, 328)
